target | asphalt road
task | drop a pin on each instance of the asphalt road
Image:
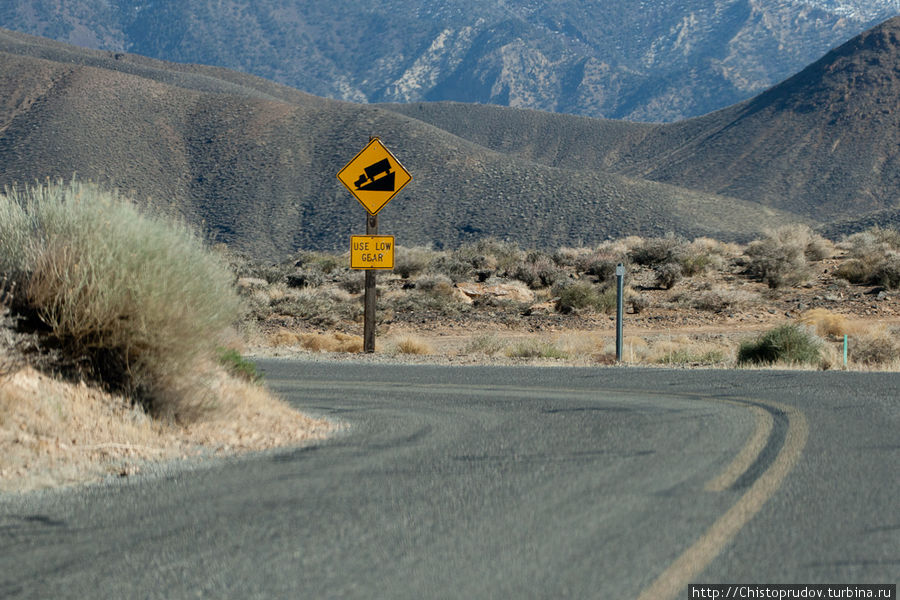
(495, 482)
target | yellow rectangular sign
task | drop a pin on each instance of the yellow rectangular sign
(372, 252)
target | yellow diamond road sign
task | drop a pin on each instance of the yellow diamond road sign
(374, 176)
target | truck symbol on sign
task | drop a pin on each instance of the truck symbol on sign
(378, 177)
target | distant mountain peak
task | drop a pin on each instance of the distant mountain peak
(655, 60)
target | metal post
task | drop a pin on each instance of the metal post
(845, 350)
(620, 308)
(369, 310)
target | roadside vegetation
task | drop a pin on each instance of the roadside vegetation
(492, 292)
(119, 342)
(122, 331)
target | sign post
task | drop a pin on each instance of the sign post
(620, 308)
(373, 176)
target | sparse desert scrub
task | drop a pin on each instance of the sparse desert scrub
(136, 301)
(826, 323)
(321, 307)
(412, 345)
(583, 295)
(433, 294)
(498, 255)
(414, 260)
(719, 299)
(487, 344)
(581, 344)
(782, 257)
(332, 342)
(875, 348)
(316, 342)
(873, 258)
(656, 251)
(535, 348)
(539, 270)
(683, 350)
(792, 343)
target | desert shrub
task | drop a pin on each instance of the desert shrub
(138, 300)
(875, 240)
(790, 343)
(487, 344)
(877, 265)
(825, 323)
(600, 264)
(331, 342)
(534, 348)
(585, 296)
(453, 266)
(656, 251)
(781, 258)
(854, 270)
(412, 261)
(273, 273)
(721, 299)
(437, 283)
(324, 262)
(879, 348)
(887, 271)
(667, 275)
(311, 277)
(638, 302)
(694, 264)
(569, 257)
(353, 282)
(504, 255)
(412, 345)
(539, 270)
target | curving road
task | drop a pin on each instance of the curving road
(499, 482)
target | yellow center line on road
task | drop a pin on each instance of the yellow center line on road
(747, 456)
(696, 558)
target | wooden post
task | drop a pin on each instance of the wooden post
(369, 310)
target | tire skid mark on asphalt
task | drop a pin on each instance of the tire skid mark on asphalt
(694, 560)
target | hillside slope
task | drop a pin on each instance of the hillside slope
(824, 144)
(255, 163)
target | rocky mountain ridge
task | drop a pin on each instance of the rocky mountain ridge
(646, 60)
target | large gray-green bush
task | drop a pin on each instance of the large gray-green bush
(137, 300)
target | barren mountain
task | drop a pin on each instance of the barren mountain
(255, 162)
(648, 60)
(823, 144)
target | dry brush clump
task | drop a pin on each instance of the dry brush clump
(782, 258)
(134, 301)
(791, 343)
(873, 258)
(880, 349)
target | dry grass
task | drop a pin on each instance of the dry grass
(54, 433)
(826, 323)
(875, 349)
(412, 345)
(685, 350)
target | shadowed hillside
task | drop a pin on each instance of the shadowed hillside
(255, 162)
(824, 144)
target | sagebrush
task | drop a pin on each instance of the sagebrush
(135, 300)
